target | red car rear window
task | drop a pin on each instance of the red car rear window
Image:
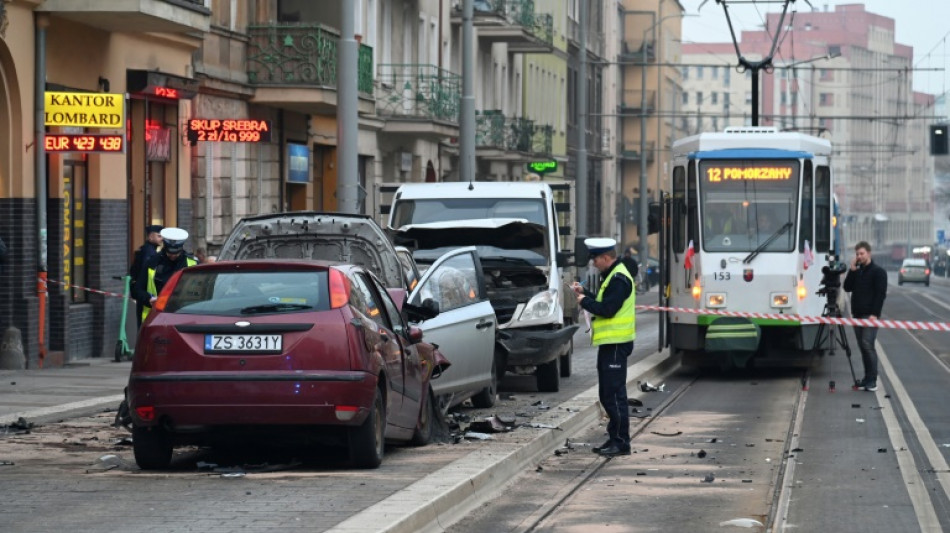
(248, 293)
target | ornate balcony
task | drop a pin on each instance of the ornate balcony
(510, 138)
(630, 150)
(161, 16)
(632, 103)
(418, 99)
(294, 66)
(511, 21)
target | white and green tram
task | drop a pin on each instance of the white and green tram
(756, 204)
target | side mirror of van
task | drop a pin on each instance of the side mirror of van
(565, 258)
(581, 257)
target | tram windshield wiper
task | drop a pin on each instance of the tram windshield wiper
(785, 227)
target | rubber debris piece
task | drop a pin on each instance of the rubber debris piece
(742, 522)
(701, 454)
(661, 434)
(708, 479)
(634, 402)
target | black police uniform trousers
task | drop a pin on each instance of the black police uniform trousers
(612, 388)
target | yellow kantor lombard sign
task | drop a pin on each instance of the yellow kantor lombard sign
(88, 110)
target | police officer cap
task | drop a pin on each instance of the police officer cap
(599, 245)
(174, 239)
(154, 228)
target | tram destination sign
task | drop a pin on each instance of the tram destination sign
(725, 171)
(543, 167)
(83, 142)
(242, 130)
(85, 110)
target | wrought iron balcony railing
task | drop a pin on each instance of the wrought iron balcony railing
(519, 13)
(418, 91)
(633, 101)
(513, 134)
(630, 150)
(301, 55)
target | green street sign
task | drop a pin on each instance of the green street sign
(543, 167)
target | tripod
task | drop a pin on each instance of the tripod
(836, 334)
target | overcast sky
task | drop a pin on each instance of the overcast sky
(922, 24)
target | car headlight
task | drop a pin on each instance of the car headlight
(541, 306)
(715, 300)
(781, 299)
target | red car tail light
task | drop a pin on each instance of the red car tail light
(346, 413)
(146, 413)
(339, 289)
(903, 271)
(926, 271)
(162, 300)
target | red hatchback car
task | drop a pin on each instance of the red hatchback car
(243, 346)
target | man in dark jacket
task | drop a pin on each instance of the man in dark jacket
(867, 284)
(161, 267)
(145, 253)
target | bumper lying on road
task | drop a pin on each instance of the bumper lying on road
(238, 398)
(527, 347)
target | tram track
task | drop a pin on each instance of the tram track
(542, 518)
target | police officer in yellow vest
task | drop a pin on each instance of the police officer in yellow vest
(614, 329)
(161, 267)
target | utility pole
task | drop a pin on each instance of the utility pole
(347, 121)
(581, 180)
(467, 116)
(39, 143)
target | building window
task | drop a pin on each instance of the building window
(826, 99)
(699, 73)
(685, 97)
(715, 97)
(748, 97)
(685, 73)
(699, 98)
(715, 72)
(726, 75)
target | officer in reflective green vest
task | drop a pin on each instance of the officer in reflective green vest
(161, 267)
(613, 322)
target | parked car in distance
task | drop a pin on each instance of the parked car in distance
(464, 329)
(320, 350)
(914, 271)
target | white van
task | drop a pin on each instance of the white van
(514, 227)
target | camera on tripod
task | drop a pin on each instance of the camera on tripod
(831, 279)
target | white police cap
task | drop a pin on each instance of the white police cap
(598, 245)
(174, 239)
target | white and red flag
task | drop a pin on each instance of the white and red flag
(809, 256)
(690, 252)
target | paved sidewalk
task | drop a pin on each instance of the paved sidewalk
(40, 395)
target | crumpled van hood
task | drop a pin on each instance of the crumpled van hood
(504, 233)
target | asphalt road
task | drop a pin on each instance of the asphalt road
(725, 452)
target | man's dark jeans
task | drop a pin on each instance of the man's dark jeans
(866, 338)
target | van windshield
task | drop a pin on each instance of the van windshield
(425, 211)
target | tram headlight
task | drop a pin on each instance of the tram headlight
(781, 299)
(715, 300)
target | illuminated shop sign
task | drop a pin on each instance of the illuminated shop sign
(717, 173)
(161, 84)
(229, 130)
(543, 167)
(80, 142)
(298, 168)
(86, 110)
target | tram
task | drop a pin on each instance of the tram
(749, 229)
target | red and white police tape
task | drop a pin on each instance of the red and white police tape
(96, 291)
(811, 320)
(804, 320)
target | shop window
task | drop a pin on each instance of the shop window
(75, 196)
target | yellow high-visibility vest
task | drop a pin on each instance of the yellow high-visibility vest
(622, 326)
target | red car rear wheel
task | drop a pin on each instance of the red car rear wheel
(367, 441)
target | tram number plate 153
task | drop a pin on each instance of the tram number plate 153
(722, 276)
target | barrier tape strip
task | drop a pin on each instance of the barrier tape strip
(811, 320)
(804, 320)
(96, 291)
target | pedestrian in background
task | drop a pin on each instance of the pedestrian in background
(161, 267)
(144, 254)
(201, 254)
(867, 283)
(613, 332)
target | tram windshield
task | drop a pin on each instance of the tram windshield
(745, 202)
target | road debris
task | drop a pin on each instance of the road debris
(474, 435)
(742, 522)
(646, 386)
(708, 479)
(661, 434)
(701, 454)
